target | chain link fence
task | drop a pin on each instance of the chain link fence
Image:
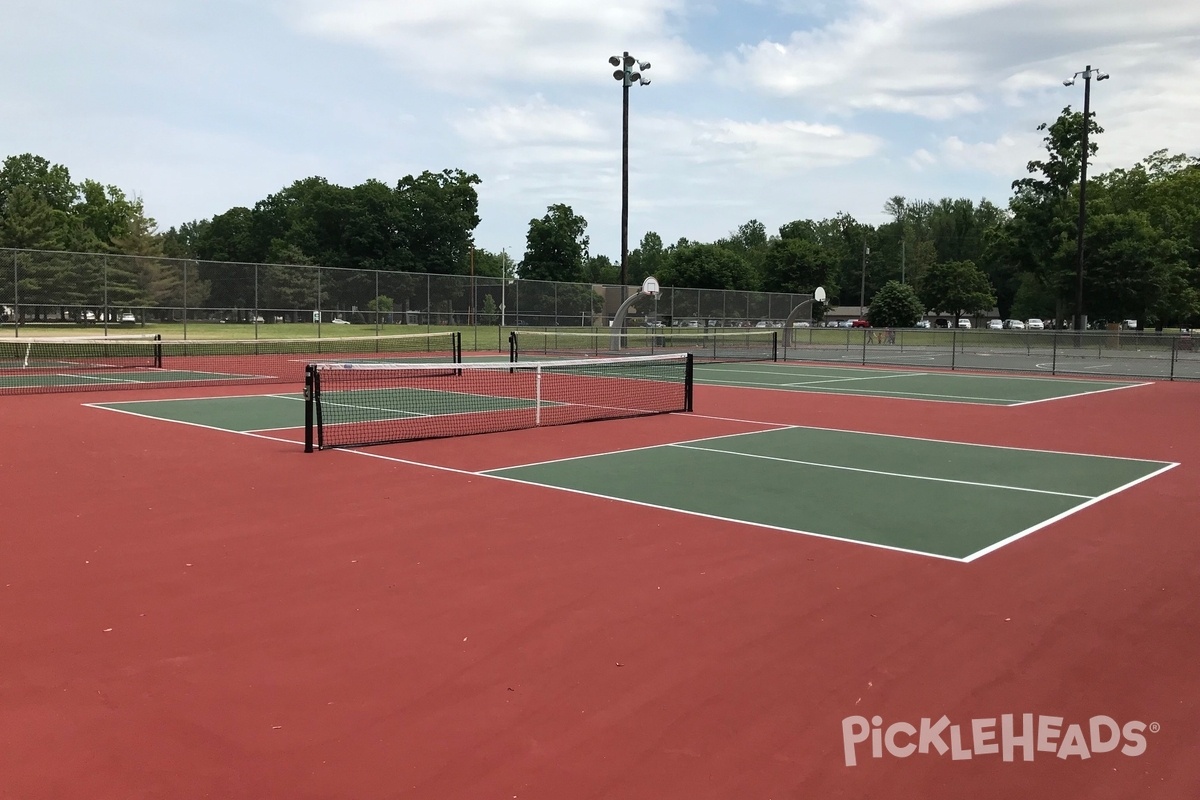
(40, 289)
(1116, 353)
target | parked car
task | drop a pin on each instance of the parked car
(924, 323)
(1014, 325)
(995, 325)
(963, 322)
(336, 321)
(128, 319)
(1035, 324)
(1131, 324)
(859, 323)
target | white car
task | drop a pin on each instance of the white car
(1035, 324)
(995, 325)
(963, 322)
(1014, 324)
(128, 318)
(924, 323)
(339, 321)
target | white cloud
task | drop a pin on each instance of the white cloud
(944, 58)
(456, 44)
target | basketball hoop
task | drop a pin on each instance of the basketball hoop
(650, 286)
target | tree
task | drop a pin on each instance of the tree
(601, 269)
(1042, 232)
(798, 265)
(750, 242)
(48, 182)
(437, 214)
(895, 305)
(957, 288)
(707, 266)
(28, 221)
(646, 260)
(556, 246)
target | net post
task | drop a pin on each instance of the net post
(309, 372)
(774, 347)
(320, 415)
(538, 397)
(158, 353)
(687, 384)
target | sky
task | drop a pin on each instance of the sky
(773, 110)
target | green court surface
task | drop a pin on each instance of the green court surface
(959, 387)
(943, 499)
(146, 376)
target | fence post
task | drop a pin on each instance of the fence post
(1054, 352)
(16, 300)
(185, 307)
(256, 301)
(954, 346)
(1174, 354)
(104, 261)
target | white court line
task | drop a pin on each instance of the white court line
(1022, 534)
(917, 438)
(891, 393)
(863, 378)
(188, 399)
(883, 472)
(103, 407)
(622, 451)
(1083, 394)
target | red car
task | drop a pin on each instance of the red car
(859, 323)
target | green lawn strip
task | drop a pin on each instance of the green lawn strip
(924, 516)
(1027, 469)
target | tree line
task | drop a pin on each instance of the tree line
(953, 255)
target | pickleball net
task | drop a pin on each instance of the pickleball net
(752, 344)
(359, 404)
(72, 364)
(87, 353)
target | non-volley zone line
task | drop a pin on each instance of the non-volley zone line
(937, 386)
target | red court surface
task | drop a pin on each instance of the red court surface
(188, 613)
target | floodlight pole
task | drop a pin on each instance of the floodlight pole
(626, 75)
(1088, 73)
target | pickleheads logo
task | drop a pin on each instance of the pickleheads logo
(1027, 734)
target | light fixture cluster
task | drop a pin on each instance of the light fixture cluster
(625, 72)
